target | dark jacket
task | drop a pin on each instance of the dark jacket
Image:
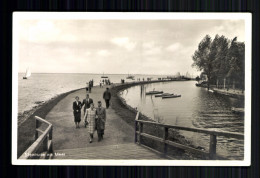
(101, 120)
(107, 95)
(86, 103)
(76, 107)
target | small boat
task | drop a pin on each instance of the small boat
(27, 74)
(202, 84)
(164, 94)
(103, 76)
(130, 77)
(153, 92)
(171, 96)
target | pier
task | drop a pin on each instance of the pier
(61, 140)
(71, 143)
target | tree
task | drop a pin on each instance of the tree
(220, 59)
(236, 55)
(218, 51)
(202, 59)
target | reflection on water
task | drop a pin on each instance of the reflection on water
(195, 108)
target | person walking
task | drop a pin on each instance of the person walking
(87, 87)
(86, 103)
(90, 118)
(107, 97)
(90, 86)
(77, 111)
(101, 120)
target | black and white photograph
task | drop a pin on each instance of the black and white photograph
(131, 89)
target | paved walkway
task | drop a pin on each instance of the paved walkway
(75, 142)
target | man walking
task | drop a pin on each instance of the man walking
(101, 120)
(107, 97)
(87, 101)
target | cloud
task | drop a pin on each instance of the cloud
(151, 48)
(42, 31)
(124, 42)
(173, 47)
(103, 52)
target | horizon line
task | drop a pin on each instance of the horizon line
(93, 73)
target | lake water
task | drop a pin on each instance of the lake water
(196, 107)
(44, 86)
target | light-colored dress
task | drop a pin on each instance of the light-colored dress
(91, 117)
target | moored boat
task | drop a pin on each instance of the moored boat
(171, 96)
(164, 94)
(153, 92)
(130, 77)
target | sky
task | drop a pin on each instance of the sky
(160, 47)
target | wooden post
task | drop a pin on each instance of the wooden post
(212, 147)
(224, 83)
(45, 144)
(50, 134)
(140, 131)
(165, 137)
(36, 127)
(135, 131)
(136, 122)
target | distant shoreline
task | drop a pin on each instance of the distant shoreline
(99, 74)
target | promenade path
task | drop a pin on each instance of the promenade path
(72, 143)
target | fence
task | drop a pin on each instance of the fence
(213, 137)
(42, 146)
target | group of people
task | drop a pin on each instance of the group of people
(139, 79)
(95, 118)
(89, 85)
(104, 82)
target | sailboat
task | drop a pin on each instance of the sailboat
(27, 74)
(103, 76)
(130, 77)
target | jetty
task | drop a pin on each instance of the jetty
(57, 138)
(67, 142)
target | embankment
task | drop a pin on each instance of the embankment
(128, 114)
(26, 128)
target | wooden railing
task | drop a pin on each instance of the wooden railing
(42, 146)
(213, 137)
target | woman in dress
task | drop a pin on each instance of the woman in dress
(87, 87)
(90, 117)
(77, 111)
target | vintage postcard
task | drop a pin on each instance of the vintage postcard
(163, 89)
